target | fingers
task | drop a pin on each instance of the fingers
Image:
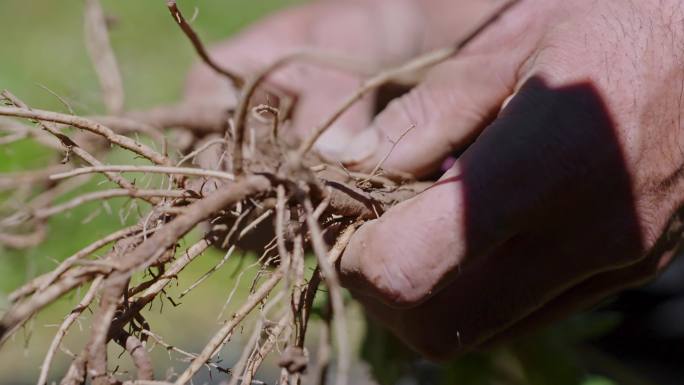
(324, 27)
(588, 293)
(485, 247)
(319, 96)
(596, 288)
(464, 316)
(402, 257)
(384, 34)
(456, 100)
(318, 89)
(496, 300)
(445, 112)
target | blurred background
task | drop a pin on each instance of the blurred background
(637, 338)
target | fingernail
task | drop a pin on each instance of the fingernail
(362, 147)
(332, 143)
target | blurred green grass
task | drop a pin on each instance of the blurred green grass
(42, 47)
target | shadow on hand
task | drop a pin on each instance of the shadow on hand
(549, 204)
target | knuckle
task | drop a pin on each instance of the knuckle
(392, 284)
(662, 229)
(410, 108)
(386, 270)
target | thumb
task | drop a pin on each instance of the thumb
(406, 255)
(417, 131)
(447, 111)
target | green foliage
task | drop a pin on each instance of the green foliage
(388, 358)
(43, 47)
(595, 380)
(549, 357)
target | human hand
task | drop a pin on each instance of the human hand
(564, 198)
(569, 194)
(372, 34)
